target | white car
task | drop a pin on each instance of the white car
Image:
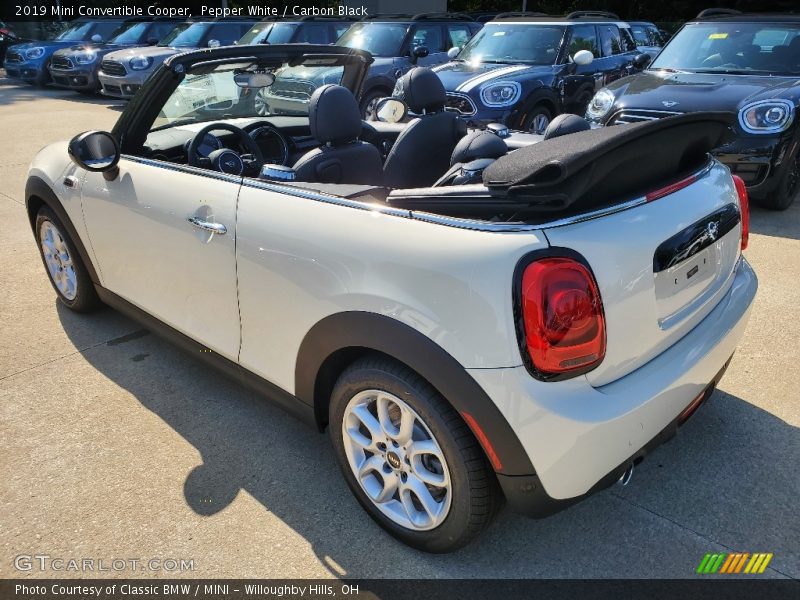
(525, 323)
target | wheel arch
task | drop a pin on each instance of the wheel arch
(338, 340)
(38, 194)
(377, 82)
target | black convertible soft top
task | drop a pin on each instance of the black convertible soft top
(608, 165)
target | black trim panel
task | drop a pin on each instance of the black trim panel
(364, 330)
(696, 237)
(36, 186)
(233, 370)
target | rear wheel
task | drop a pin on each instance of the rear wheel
(409, 458)
(64, 267)
(788, 186)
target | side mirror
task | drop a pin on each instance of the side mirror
(97, 38)
(213, 44)
(249, 81)
(583, 58)
(390, 110)
(419, 52)
(640, 61)
(95, 151)
(453, 52)
(152, 41)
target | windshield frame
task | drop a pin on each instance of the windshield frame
(480, 35)
(658, 63)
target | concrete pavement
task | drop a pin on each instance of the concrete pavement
(115, 445)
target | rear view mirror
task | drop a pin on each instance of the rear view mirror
(390, 110)
(453, 52)
(213, 44)
(97, 38)
(251, 81)
(583, 58)
(640, 61)
(95, 151)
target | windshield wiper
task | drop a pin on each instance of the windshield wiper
(667, 70)
(175, 124)
(725, 71)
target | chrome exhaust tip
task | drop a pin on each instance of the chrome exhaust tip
(626, 476)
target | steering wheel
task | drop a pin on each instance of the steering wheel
(225, 159)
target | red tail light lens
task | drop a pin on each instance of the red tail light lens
(744, 207)
(563, 316)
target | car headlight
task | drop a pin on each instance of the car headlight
(766, 116)
(501, 93)
(140, 63)
(600, 105)
(86, 58)
(33, 53)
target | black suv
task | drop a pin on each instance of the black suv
(523, 69)
(307, 30)
(400, 42)
(727, 61)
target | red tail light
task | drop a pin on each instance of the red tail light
(563, 317)
(744, 207)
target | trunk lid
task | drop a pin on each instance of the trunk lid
(661, 266)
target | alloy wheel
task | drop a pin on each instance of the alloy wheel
(58, 260)
(539, 123)
(396, 460)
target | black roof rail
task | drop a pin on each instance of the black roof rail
(717, 12)
(388, 17)
(442, 16)
(579, 14)
(320, 18)
(518, 14)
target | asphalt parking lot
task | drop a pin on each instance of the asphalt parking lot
(113, 444)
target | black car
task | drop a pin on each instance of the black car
(306, 30)
(727, 61)
(523, 69)
(399, 42)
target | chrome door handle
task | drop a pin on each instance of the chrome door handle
(217, 228)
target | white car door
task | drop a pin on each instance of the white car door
(164, 238)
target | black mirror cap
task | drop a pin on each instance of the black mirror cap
(95, 151)
(421, 52)
(640, 61)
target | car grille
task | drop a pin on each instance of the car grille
(462, 105)
(61, 62)
(639, 116)
(296, 89)
(13, 57)
(113, 68)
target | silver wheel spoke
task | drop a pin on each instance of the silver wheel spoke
(373, 463)
(58, 260)
(431, 509)
(426, 448)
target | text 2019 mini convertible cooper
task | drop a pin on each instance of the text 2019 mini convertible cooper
(474, 316)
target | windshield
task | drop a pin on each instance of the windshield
(257, 34)
(738, 48)
(186, 35)
(130, 33)
(85, 31)
(514, 43)
(214, 96)
(379, 39)
(644, 36)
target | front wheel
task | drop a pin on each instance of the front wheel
(788, 187)
(369, 101)
(64, 267)
(409, 458)
(536, 119)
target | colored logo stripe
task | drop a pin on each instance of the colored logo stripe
(734, 562)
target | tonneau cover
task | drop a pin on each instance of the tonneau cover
(606, 165)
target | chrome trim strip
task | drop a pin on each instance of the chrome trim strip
(183, 168)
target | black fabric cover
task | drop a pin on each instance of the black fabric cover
(422, 90)
(609, 164)
(566, 124)
(334, 115)
(353, 163)
(478, 144)
(422, 152)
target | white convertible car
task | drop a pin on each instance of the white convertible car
(474, 316)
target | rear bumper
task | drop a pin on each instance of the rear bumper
(580, 439)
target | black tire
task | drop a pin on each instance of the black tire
(533, 113)
(476, 496)
(788, 187)
(368, 99)
(85, 298)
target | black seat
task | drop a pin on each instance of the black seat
(335, 121)
(421, 154)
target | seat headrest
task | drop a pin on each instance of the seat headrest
(334, 115)
(478, 144)
(564, 124)
(422, 90)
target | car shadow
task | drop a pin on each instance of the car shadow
(775, 223)
(729, 478)
(17, 92)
